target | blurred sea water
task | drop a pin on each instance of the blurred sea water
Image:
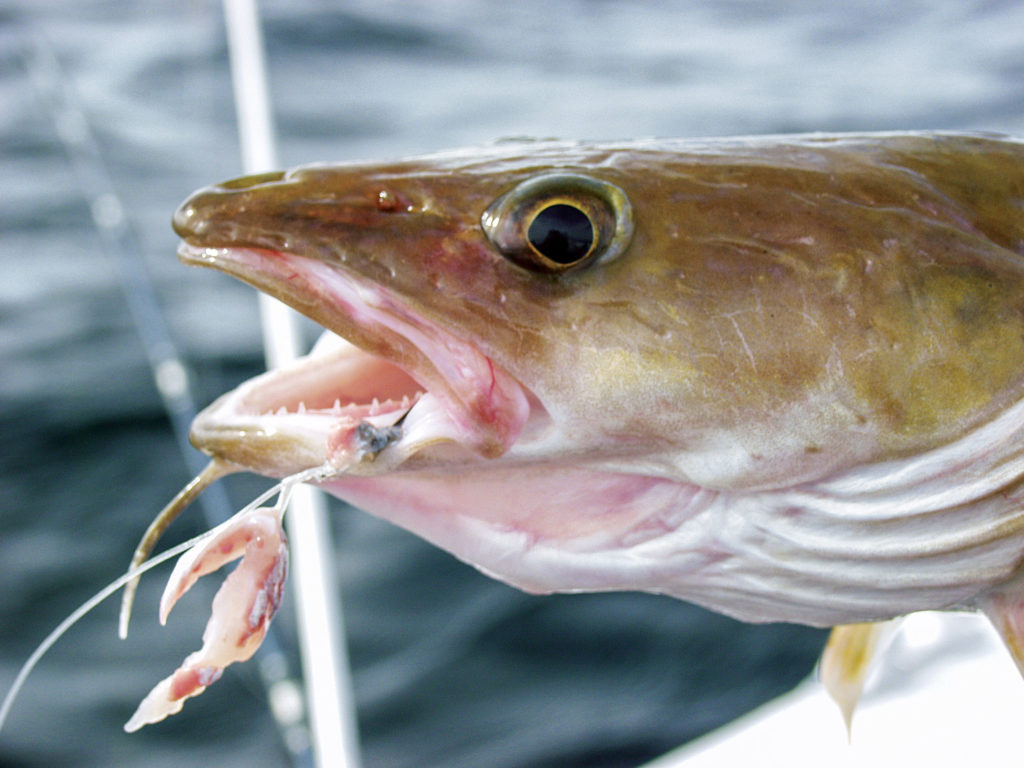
(450, 668)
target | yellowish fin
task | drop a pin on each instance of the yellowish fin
(1005, 609)
(846, 662)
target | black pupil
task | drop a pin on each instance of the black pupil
(561, 233)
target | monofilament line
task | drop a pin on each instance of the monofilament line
(81, 611)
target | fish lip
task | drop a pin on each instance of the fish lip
(456, 394)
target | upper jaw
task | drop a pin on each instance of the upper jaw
(441, 387)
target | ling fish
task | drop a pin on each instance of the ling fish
(779, 377)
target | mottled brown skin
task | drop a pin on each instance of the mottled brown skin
(885, 273)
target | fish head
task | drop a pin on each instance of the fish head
(438, 285)
(582, 348)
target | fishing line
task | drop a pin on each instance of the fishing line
(81, 611)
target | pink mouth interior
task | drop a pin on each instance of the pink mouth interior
(385, 383)
(455, 388)
(353, 384)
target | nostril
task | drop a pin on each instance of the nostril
(245, 182)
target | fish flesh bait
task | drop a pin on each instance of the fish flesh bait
(780, 377)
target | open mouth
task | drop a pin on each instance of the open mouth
(342, 402)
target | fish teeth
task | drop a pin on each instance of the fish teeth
(375, 407)
(302, 406)
(336, 409)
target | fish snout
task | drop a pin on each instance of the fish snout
(194, 217)
(318, 202)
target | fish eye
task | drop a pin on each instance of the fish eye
(562, 233)
(558, 222)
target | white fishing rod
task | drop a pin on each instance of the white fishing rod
(329, 696)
